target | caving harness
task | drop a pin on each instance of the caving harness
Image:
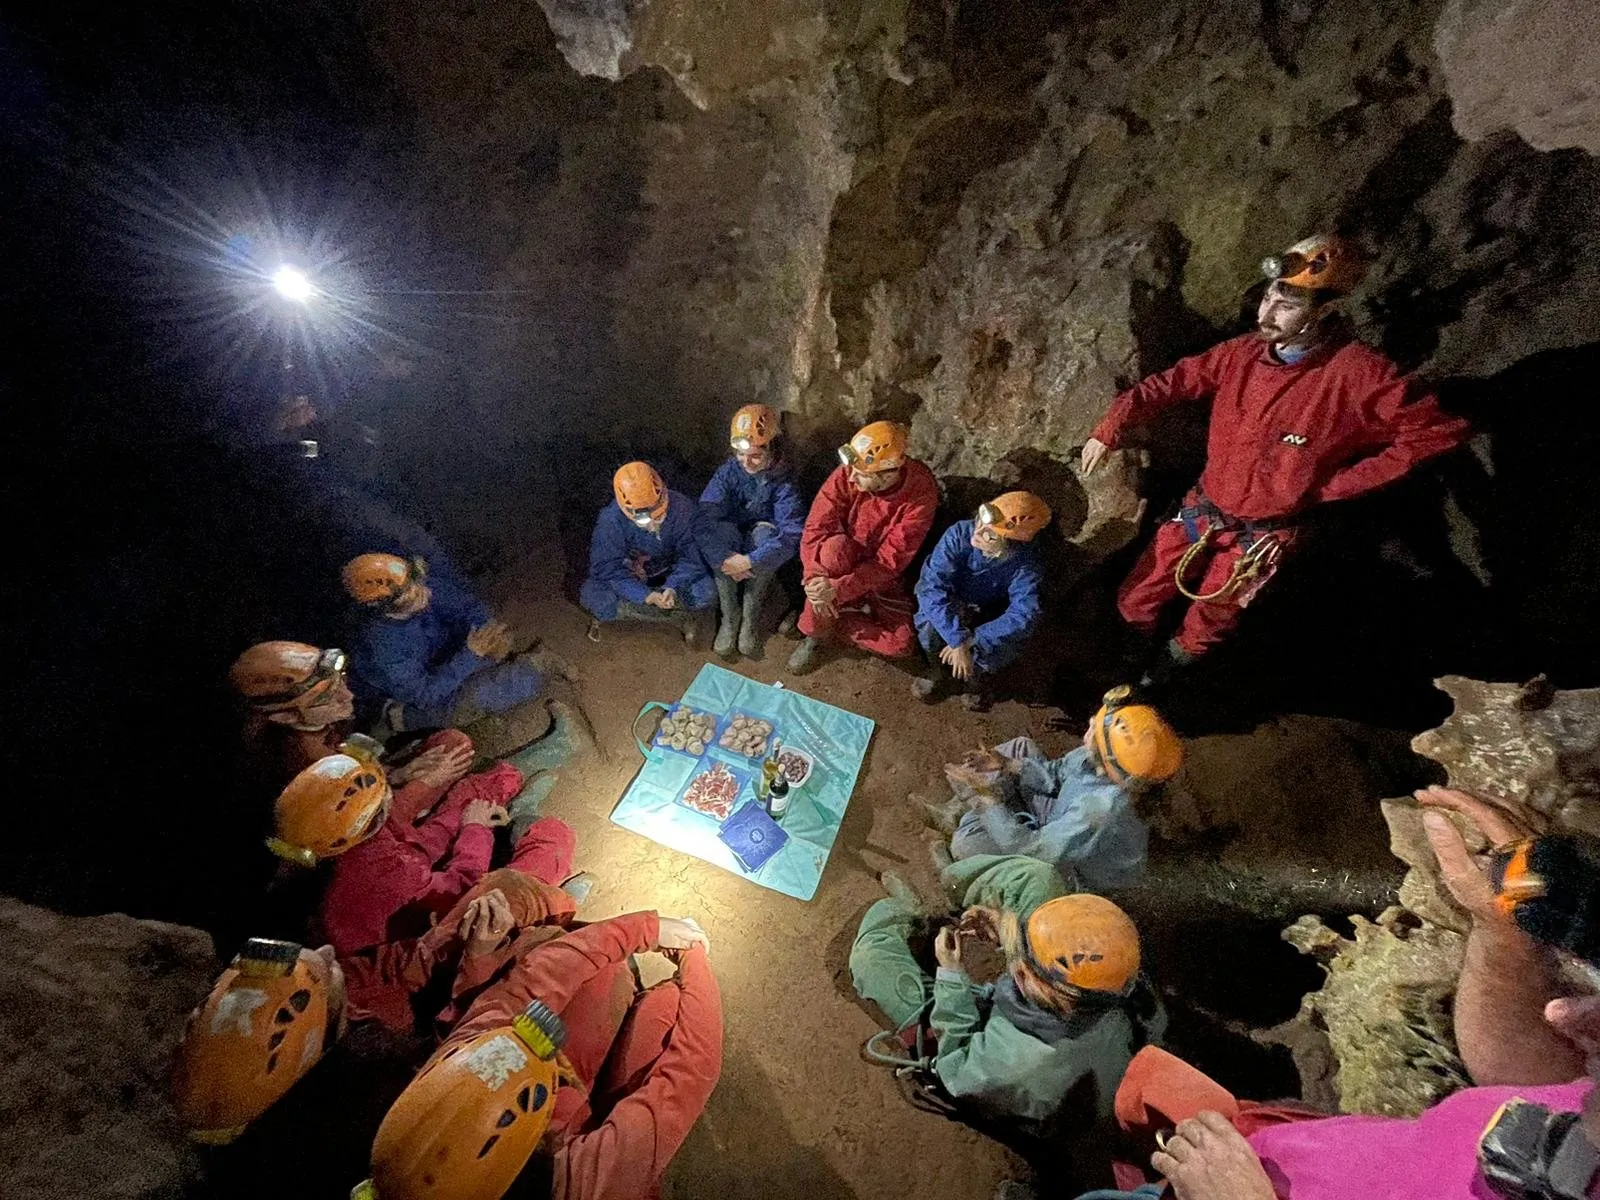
(1262, 543)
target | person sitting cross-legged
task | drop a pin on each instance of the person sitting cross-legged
(645, 563)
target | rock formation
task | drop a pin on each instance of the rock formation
(1385, 1005)
(90, 1010)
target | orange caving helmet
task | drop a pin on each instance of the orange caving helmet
(1133, 741)
(1082, 944)
(876, 448)
(337, 802)
(377, 580)
(274, 676)
(468, 1123)
(261, 1028)
(1323, 262)
(753, 426)
(640, 492)
(1015, 516)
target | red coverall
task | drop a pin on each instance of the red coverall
(648, 1061)
(382, 980)
(387, 888)
(865, 543)
(1284, 437)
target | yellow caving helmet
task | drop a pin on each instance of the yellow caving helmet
(1322, 262)
(753, 426)
(1133, 741)
(337, 802)
(261, 1028)
(376, 580)
(1015, 516)
(466, 1126)
(640, 493)
(876, 448)
(1082, 943)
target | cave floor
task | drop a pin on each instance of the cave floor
(798, 1112)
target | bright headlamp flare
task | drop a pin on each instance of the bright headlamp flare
(292, 284)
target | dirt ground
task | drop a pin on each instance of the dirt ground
(799, 1113)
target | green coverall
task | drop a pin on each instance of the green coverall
(982, 1057)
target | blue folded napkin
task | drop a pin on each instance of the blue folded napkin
(753, 836)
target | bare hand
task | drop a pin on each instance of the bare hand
(680, 933)
(484, 812)
(947, 949)
(1206, 1158)
(1094, 453)
(984, 760)
(959, 660)
(1497, 822)
(486, 922)
(820, 591)
(1577, 1018)
(738, 567)
(1462, 874)
(657, 600)
(491, 640)
(437, 766)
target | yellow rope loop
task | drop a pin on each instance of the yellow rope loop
(1245, 568)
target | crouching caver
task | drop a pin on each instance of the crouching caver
(426, 654)
(978, 597)
(863, 532)
(751, 520)
(1068, 1014)
(401, 858)
(563, 1079)
(1076, 812)
(644, 561)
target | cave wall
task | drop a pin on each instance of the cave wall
(985, 219)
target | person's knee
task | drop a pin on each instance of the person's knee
(760, 534)
(598, 599)
(1020, 747)
(838, 555)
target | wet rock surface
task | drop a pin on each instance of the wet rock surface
(90, 1011)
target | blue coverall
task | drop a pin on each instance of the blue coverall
(762, 515)
(423, 663)
(964, 597)
(1064, 812)
(620, 552)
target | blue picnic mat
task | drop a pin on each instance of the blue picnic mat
(836, 741)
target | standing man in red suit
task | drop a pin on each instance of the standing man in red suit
(1302, 415)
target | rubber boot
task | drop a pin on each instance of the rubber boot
(525, 805)
(751, 642)
(627, 610)
(728, 630)
(1158, 679)
(696, 627)
(805, 656)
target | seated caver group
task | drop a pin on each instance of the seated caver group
(410, 775)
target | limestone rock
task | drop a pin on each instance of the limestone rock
(1528, 65)
(593, 34)
(1385, 1007)
(1538, 750)
(90, 1010)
